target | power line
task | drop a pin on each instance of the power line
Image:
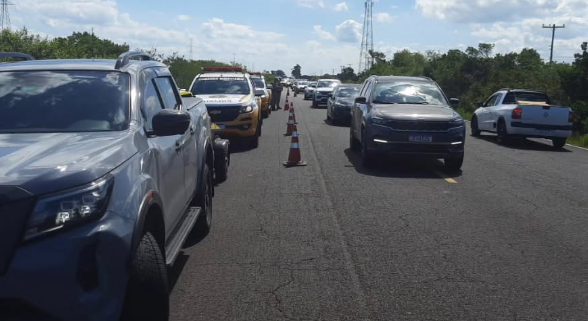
(552, 27)
(367, 38)
(5, 14)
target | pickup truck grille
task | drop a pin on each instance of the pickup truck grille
(223, 114)
(14, 217)
(419, 125)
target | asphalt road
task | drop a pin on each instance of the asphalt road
(506, 239)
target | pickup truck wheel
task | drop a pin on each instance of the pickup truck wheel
(147, 295)
(559, 143)
(204, 201)
(474, 127)
(265, 114)
(454, 163)
(502, 134)
(221, 168)
(314, 104)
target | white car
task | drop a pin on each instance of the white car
(324, 88)
(309, 90)
(523, 113)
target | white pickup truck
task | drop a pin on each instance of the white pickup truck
(523, 113)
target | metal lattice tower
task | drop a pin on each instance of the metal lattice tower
(4, 14)
(367, 38)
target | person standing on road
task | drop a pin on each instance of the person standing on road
(276, 94)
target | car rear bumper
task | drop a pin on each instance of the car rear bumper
(539, 131)
(75, 275)
(384, 140)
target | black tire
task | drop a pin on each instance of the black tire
(254, 141)
(328, 117)
(454, 163)
(314, 104)
(265, 114)
(221, 169)
(367, 158)
(204, 201)
(474, 127)
(353, 143)
(501, 133)
(147, 295)
(559, 143)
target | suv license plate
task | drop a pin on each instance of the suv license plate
(420, 138)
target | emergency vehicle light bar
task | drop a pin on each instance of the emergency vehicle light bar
(255, 73)
(217, 69)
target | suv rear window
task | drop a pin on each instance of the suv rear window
(513, 97)
(63, 101)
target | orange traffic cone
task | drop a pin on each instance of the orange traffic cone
(294, 158)
(287, 107)
(291, 126)
(288, 92)
(293, 113)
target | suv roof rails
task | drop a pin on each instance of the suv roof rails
(505, 89)
(124, 58)
(16, 55)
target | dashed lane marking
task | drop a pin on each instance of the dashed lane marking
(445, 177)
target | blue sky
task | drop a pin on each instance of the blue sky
(320, 35)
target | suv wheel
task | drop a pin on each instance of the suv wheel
(147, 295)
(558, 143)
(474, 127)
(367, 157)
(204, 201)
(454, 163)
(353, 143)
(314, 104)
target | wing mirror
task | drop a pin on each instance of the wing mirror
(360, 100)
(170, 122)
(454, 102)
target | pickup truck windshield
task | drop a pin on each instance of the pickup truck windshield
(63, 101)
(219, 86)
(406, 92)
(322, 84)
(512, 98)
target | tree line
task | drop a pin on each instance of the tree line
(470, 75)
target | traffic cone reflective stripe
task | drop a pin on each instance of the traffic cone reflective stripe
(293, 113)
(291, 126)
(294, 157)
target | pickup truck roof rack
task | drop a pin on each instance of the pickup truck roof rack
(18, 55)
(124, 58)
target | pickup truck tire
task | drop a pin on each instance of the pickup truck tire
(314, 104)
(559, 143)
(147, 295)
(474, 127)
(454, 163)
(221, 168)
(265, 114)
(502, 135)
(254, 141)
(204, 201)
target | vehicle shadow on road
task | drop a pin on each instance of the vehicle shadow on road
(401, 167)
(524, 144)
(239, 146)
(338, 124)
(173, 273)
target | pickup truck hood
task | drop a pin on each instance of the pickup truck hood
(225, 99)
(415, 112)
(46, 163)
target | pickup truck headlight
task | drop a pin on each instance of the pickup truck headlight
(457, 123)
(70, 208)
(379, 121)
(247, 109)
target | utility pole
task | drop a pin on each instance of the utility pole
(367, 38)
(552, 27)
(5, 14)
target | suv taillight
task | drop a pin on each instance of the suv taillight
(517, 113)
(571, 117)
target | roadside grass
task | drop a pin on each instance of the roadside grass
(579, 140)
(465, 114)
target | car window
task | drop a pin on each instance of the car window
(491, 101)
(331, 84)
(512, 98)
(151, 104)
(408, 92)
(221, 85)
(362, 92)
(168, 95)
(258, 82)
(64, 101)
(347, 92)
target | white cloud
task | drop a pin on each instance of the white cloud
(184, 17)
(323, 34)
(341, 7)
(311, 3)
(383, 17)
(349, 31)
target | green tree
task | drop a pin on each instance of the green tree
(297, 71)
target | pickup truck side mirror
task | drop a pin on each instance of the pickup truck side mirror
(480, 104)
(170, 122)
(454, 102)
(360, 100)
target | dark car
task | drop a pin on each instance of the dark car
(406, 116)
(104, 172)
(340, 102)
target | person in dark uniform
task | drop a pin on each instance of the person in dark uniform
(276, 94)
